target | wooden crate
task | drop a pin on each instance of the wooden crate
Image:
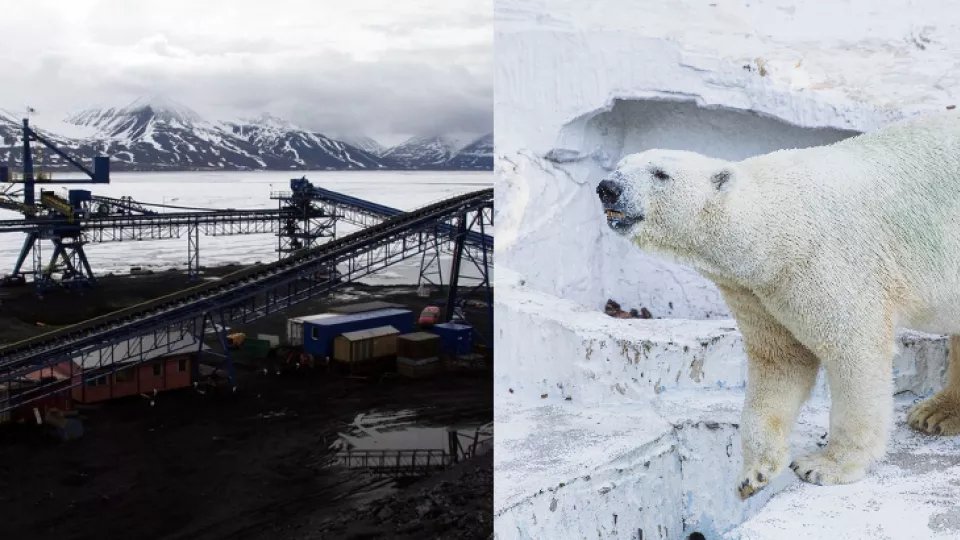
(418, 369)
(418, 345)
(365, 344)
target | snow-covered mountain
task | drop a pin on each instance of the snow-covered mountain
(422, 152)
(364, 143)
(283, 139)
(156, 133)
(11, 142)
(476, 155)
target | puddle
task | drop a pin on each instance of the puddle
(399, 430)
(351, 294)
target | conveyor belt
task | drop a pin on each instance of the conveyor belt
(231, 289)
(184, 218)
(372, 208)
(126, 204)
(218, 216)
(56, 203)
(17, 206)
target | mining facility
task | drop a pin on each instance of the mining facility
(233, 399)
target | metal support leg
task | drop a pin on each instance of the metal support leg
(85, 264)
(29, 242)
(39, 273)
(69, 259)
(430, 260)
(455, 265)
(279, 230)
(195, 365)
(231, 369)
(60, 253)
(193, 251)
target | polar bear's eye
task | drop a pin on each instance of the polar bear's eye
(660, 175)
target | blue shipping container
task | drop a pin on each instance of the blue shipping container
(454, 338)
(318, 335)
(78, 196)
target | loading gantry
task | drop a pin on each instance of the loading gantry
(56, 219)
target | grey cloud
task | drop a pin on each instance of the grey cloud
(424, 86)
(402, 93)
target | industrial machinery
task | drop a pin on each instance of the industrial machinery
(54, 218)
(312, 261)
(240, 297)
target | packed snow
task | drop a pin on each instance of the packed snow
(242, 190)
(581, 452)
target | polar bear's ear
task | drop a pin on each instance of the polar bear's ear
(722, 179)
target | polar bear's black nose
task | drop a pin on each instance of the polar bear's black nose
(609, 191)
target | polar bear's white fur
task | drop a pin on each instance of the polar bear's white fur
(820, 253)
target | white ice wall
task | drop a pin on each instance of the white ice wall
(579, 84)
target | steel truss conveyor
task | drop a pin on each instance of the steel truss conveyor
(366, 213)
(476, 249)
(159, 226)
(66, 234)
(240, 297)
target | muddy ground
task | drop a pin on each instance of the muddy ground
(249, 465)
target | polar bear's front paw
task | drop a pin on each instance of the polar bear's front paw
(753, 479)
(938, 415)
(823, 470)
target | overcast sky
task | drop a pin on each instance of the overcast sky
(386, 68)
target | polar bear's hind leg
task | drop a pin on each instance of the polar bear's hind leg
(940, 414)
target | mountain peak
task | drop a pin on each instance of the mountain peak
(163, 108)
(268, 120)
(477, 155)
(431, 150)
(363, 142)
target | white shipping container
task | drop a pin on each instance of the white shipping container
(295, 327)
(270, 338)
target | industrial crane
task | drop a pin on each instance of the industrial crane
(56, 217)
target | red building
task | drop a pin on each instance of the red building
(166, 368)
(93, 380)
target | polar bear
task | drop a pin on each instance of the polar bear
(820, 253)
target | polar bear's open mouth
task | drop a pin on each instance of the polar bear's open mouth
(620, 221)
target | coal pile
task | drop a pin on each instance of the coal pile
(457, 505)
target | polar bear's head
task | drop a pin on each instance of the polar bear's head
(668, 201)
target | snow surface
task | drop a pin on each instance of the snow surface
(599, 416)
(578, 86)
(404, 190)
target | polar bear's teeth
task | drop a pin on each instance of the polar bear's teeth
(613, 214)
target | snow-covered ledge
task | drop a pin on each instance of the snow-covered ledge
(609, 427)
